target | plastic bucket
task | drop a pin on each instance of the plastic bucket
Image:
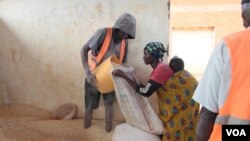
(104, 82)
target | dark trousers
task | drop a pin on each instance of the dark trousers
(92, 97)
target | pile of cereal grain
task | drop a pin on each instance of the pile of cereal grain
(22, 122)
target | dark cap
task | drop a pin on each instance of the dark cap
(245, 1)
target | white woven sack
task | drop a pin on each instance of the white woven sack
(135, 108)
(125, 132)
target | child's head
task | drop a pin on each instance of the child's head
(176, 64)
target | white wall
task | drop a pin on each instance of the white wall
(40, 42)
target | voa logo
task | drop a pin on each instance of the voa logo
(236, 132)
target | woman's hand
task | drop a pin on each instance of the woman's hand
(119, 73)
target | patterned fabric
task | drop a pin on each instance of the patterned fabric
(156, 49)
(177, 109)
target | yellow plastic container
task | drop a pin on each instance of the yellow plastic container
(104, 82)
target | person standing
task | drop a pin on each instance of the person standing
(104, 43)
(223, 90)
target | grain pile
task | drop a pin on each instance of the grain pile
(22, 122)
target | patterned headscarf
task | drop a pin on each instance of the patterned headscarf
(156, 49)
